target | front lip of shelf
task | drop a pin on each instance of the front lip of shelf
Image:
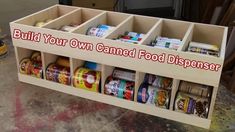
(131, 105)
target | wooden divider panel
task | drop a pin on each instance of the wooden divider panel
(107, 18)
(106, 71)
(49, 13)
(77, 17)
(174, 89)
(139, 77)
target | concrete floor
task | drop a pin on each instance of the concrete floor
(28, 108)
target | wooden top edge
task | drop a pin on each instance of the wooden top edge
(166, 19)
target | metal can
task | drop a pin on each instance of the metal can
(98, 32)
(67, 28)
(92, 65)
(39, 24)
(135, 36)
(203, 48)
(124, 74)
(153, 96)
(36, 69)
(119, 88)
(195, 89)
(87, 79)
(128, 40)
(191, 104)
(32, 66)
(25, 66)
(58, 74)
(106, 27)
(158, 81)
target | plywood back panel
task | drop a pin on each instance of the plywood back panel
(125, 26)
(87, 14)
(94, 22)
(174, 29)
(114, 18)
(208, 34)
(143, 24)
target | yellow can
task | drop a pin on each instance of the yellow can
(87, 79)
(3, 48)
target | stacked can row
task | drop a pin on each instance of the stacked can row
(155, 90)
(135, 37)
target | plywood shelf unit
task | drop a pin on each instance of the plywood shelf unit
(141, 64)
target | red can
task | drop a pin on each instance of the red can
(119, 88)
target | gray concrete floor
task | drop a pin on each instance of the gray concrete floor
(28, 108)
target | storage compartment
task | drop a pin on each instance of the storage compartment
(154, 90)
(206, 40)
(134, 30)
(86, 75)
(71, 21)
(110, 19)
(41, 18)
(57, 69)
(193, 99)
(168, 34)
(119, 82)
(29, 62)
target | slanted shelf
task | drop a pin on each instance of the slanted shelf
(57, 68)
(74, 48)
(194, 99)
(118, 82)
(137, 27)
(45, 16)
(86, 75)
(210, 35)
(29, 62)
(111, 19)
(169, 29)
(73, 20)
(154, 90)
(211, 65)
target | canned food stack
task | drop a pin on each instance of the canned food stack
(131, 37)
(100, 30)
(121, 84)
(88, 77)
(203, 48)
(3, 48)
(193, 99)
(32, 65)
(59, 71)
(164, 42)
(70, 27)
(41, 23)
(155, 90)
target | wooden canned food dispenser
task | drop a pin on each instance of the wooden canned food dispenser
(39, 32)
